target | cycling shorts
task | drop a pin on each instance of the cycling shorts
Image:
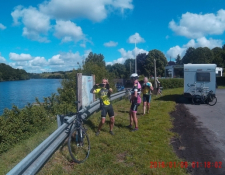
(107, 109)
(147, 98)
(134, 107)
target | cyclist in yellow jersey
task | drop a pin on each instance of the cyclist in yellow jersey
(146, 90)
(105, 105)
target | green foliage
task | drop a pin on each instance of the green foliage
(95, 64)
(205, 56)
(219, 56)
(7, 73)
(220, 81)
(17, 125)
(119, 70)
(170, 83)
(179, 60)
(67, 93)
(129, 67)
(141, 63)
(95, 59)
(161, 62)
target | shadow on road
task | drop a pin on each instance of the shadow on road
(178, 98)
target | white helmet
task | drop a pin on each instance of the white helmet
(134, 75)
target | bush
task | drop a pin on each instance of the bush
(220, 81)
(170, 83)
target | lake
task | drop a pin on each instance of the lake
(22, 92)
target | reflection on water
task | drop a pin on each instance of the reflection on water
(22, 92)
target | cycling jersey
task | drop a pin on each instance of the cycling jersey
(104, 95)
(137, 88)
(146, 88)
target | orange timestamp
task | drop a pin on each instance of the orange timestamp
(168, 164)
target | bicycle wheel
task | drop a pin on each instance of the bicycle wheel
(79, 145)
(213, 102)
(196, 99)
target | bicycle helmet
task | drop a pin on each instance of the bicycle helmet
(134, 75)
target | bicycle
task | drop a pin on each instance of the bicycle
(209, 99)
(78, 142)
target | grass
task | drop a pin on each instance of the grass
(124, 153)
(221, 87)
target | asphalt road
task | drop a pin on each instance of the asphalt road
(213, 119)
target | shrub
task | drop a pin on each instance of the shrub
(220, 81)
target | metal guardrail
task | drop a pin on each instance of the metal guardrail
(35, 160)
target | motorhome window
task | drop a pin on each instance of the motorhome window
(203, 76)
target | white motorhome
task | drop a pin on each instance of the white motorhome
(199, 75)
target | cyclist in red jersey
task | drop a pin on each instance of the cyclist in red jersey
(135, 100)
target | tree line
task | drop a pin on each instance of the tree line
(203, 55)
(7, 73)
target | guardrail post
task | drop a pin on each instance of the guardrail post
(59, 120)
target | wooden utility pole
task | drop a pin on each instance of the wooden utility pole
(155, 84)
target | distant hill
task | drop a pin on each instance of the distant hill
(7, 73)
(50, 75)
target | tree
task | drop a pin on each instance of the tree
(141, 62)
(189, 56)
(223, 47)
(95, 59)
(109, 67)
(161, 62)
(119, 70)
(95, 64)
(218, 56)
(129, 65)
(178, 60)
(203, 55)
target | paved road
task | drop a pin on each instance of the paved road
(213, 118)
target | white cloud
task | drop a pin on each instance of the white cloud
(63, 61)
(96, 10)
(174, 51)
(55, 60)
(203, 42)
(19, 57)
(2, 26)
(36, 24)
(127, 54)
(2, 59)
(110, 44)
(199, 25)
(200, 42)
(68, 31)
(39, 61)
(136, 38)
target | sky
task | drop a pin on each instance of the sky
(57, 35)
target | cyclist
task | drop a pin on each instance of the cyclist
(146, 90)
(136, 100)
(104, 93)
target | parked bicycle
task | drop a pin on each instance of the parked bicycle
(78, 142)
(209, 98)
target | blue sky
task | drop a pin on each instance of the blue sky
(53, 35)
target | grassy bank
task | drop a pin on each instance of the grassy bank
(126, 152)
